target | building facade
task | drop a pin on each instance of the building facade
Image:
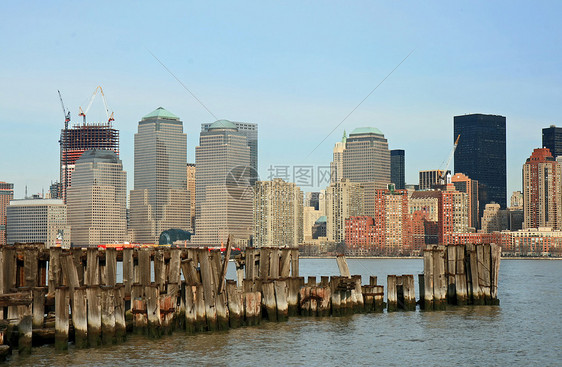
(97, 199)
(309, 217)
(223, 191)
(336, 167)
(481, 155)
(38, 220)
(191, 190)
(542, 199)
(159, 200)
(6, 194)
(398, 168)
(366, 157)
(552, 140)
(465, 184)
(494, 219)
(344, 199)
(278, 214)
(431, 179)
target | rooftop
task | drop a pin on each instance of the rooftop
(322, 219)
(161, 114)
(97, 155)
(36, 202)
(366, 130)
(222, 124)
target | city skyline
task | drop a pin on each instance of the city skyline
(324, 65)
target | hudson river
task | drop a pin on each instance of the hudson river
(526, 329)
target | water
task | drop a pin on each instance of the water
(524, 330)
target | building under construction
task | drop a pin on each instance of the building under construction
(82, 137)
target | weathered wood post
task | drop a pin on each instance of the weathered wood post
(484, 266)
(25, 328)
(92, 276)
(144, 266)
(379, 298)
(391, 294)
(359, 304)
(70, 273)
(235, 306)
(342, 265)
(208, 289)
(190, 307)
(274, 263)
(439, 279)
(55, 271)
(93, 295)
(250, 308)
(373, 280)
(476, 292)
(62, 300)
(460, 276)
(80, 317)
(31, 267)
(311, 281)
(295, 283)
(39, 307)
(495, 253)
(111, 266)
(120, 321)
(108, 314)
(250, 263)
(128, 274)
(264, 262)
(281, 291)
(335, 295)
(153, 310)
(409, 290)
(427, 303)
(268, 300)
(159, 270)
(450, 272)
(285, 263)
(295, 262)
(138, 309)
(201, 323)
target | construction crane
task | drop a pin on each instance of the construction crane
(84, 113)
(62, 153)
(443, 174)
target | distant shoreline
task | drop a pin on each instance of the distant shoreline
(420, 257)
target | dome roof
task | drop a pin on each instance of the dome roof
(366, 130)
(222, 124)
(99, 155)
(161, 113)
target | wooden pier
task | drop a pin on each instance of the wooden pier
(58, 297)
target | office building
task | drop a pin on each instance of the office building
(250, 131)
(159, 200)
(494, 219)
(465, 184)
(97, 199)
(278, 214)
(38, 221)
(191, 190)
(6, 194)
(366, 157)
(398, 168)
(481, 155)
(336, 166)
(552, 140)
(432, 179)
(542, 201)
(309, 217)
(223, 191)
(393, 233)
(344, 199)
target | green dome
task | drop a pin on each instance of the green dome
(222, 124)
(366, 130)
(321, 220)
(161, 113)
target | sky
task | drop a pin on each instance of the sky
(297, 68)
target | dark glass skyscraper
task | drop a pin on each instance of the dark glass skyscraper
(552, 139)
(397, 169)
(481, 155)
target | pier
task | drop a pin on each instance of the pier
(56, 296)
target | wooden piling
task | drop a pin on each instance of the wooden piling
(55, 271)
(461, 289)
(294, 285)
(342, 266)
(144, 266)
(250, 263)
(31, 268)
(379, 298)
(373, 280)
(190, 307)
(495, 257)
(409, 292)
(311, 281)
(159, 270)
(274, 263)
(264, 262)
(111, 266)
(80, 317)
(285, 263)
(208, 289)
(268, 301)
(62, 300)
(120, 321)
(128, 274)
(201, 321)
(281, 292)
(359, 304)
(153, 310)
(484, 266)
(222, 311)
(439, 279)
(38, 307)
(25, 328)
(70, 273)
(93, 295)
(476, 292)
(450, 271)
(427, 303)
(391, 295)
(335, 296)
(235, 306)
(250, 317)
(295, 262)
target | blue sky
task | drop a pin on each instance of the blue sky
(296, 68)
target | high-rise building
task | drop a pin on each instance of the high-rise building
(465, 184)
(542, 199)
(431, 179)
(516, 200)
(398, 168)
(309, 216)
(393, 234)
(453, 212)
(80, 138)
(366, 157)
(38, 220)
(344, 199)
(250, 131)
(278, 214)
(97, 199)
(552, 139)
(312, 199)
(191, 189)
(494, 219)
(336, 166)
(223, 190)
(481, 155)
(160, 200)
(6, 194)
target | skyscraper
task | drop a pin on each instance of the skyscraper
(397, 168)
(465, 184)
(160, 200)
(6, 194)
(542, 200)
(343, 199)
(97, 199)
(336, 166)
(366, 157)
(191, 189)
(250, 131)
(431, 179)
(278, 214)
(223, 191)
(552, 139)
(481, 155)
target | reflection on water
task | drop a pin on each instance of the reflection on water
(524, 330)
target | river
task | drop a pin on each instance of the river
(526, 329)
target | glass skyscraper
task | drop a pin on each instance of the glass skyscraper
(397, 168)
(481, 155)
(552, 139)
(160, 199)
